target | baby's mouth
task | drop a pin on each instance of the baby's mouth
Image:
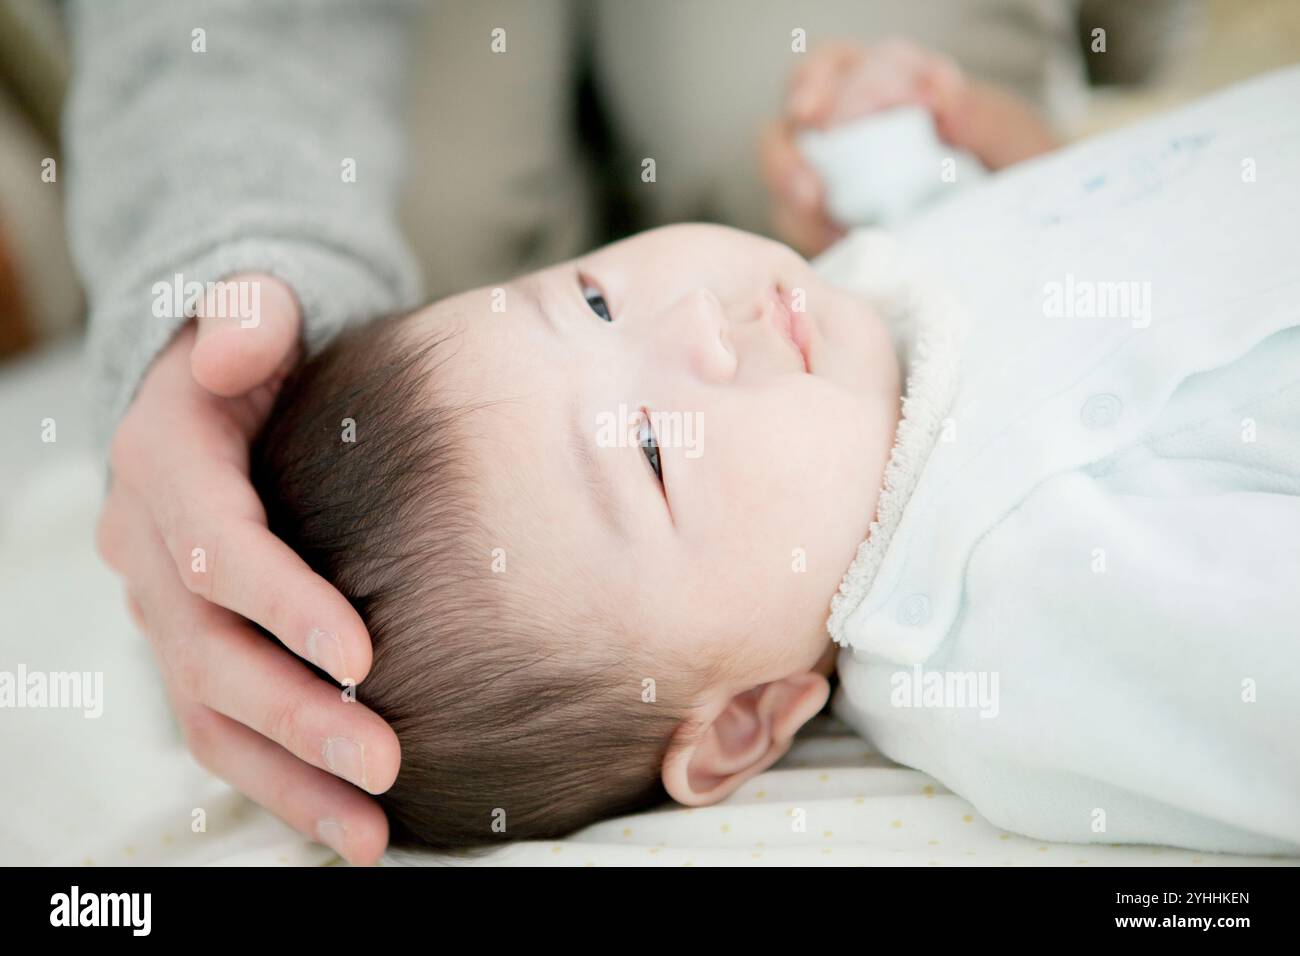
(792, 323)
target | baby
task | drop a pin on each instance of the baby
(598, 519)
(575, 610)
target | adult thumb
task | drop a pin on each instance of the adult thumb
(248, 329)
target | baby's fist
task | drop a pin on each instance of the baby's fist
(840, 82)
(843, 81)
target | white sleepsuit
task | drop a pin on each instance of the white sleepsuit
(1079, 607)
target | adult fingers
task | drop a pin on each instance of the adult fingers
(813, 86)
(181, 455)
(112, 530)
(316, 804)
(238, 564)
(786, 172)
(238, 673)
(214, 659)
(890, 74)
(248, 329)
(200, 499)
(799, 214)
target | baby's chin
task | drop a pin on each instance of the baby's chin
(855, 350)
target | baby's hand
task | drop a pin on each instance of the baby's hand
(840, 82)
(844, 81)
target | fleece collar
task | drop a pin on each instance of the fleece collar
(927, 326)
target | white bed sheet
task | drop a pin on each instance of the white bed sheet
(122, 789)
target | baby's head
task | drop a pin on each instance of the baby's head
(593, 519)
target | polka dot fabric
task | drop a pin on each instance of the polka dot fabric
(830, 802)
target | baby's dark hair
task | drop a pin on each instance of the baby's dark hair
(506, 732)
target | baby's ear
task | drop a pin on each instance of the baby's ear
(742, 736)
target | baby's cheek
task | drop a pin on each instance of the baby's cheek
(822, 491)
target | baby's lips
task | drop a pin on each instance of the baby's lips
(795, 324)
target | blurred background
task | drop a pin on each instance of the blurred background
(1213, 44)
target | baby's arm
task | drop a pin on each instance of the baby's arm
(994, 125)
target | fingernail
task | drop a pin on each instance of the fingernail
(324, 650)
(333, 835)
(346, 759)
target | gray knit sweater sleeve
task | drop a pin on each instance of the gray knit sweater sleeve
(237, 158)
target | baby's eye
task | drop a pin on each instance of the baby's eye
(650, 445)
(596, 301)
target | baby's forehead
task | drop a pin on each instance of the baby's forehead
(514, 391)
(517, 390)
(485, 343)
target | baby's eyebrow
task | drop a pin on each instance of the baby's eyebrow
(594, 473)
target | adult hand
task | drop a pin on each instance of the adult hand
(840, 82)
(186, 531)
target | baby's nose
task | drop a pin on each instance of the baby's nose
(702, 329)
